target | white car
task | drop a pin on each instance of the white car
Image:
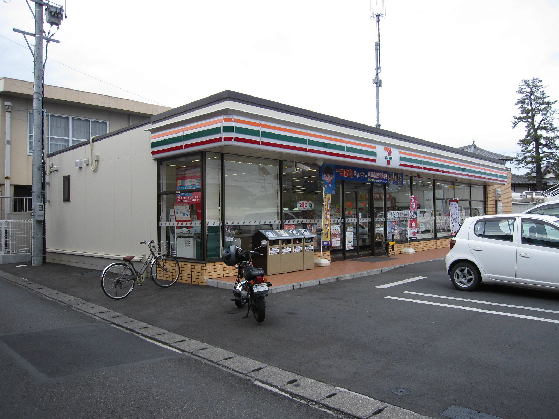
(533, 196)
(507, 248)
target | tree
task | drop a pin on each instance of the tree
(539, 146)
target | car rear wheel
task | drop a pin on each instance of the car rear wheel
(465, 276)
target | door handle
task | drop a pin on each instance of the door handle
(477, 249)
(525, 255)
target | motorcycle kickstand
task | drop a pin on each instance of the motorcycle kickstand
(248, 311)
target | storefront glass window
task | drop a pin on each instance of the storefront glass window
(444, 191)
(398, 206)
(302, 196)
(336, 220)
(477, 206)
(423, 189)
(180, 185)
(251, 198)
(378, 200)
(213, 204)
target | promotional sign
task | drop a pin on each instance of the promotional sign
(326, 220)
(368, 175)
(327, 174)
(412, 226)
(189, 198)
(188, 178)
(454, 212)
(305, 205)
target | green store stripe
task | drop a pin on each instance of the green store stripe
(361, 151)
(329, 146)
(285, 138)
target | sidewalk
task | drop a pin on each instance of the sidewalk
(340, 270)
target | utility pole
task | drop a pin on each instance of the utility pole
(54, 17)
(378, 12)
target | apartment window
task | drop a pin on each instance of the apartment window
(63, 131)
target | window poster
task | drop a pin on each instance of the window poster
(349, 238)
(188, 178)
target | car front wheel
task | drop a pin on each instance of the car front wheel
(465, 276)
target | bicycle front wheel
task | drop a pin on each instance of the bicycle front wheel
(117, 280)
(165, 271)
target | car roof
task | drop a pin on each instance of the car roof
(548, 218)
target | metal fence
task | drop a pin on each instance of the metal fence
(15, 236)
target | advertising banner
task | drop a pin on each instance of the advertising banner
(326, 220)
(412, 227)
(368, 175)
(454, 212)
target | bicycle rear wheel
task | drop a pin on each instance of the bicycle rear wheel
(165, 271)
(117, 280)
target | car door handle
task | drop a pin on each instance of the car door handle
(525, 255)
(477, 249)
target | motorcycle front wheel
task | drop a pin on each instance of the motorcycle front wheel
(259, 308)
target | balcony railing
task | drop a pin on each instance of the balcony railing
(14, 204)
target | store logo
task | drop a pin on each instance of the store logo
(391, 157)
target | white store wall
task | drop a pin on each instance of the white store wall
(111, 209)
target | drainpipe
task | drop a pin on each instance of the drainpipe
(7, 169)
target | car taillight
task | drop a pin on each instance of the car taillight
(259, 279)
(452, 243)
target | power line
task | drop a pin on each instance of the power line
(88, 75)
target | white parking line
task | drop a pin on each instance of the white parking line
(478, 310)
(543, 310)
(404, 281)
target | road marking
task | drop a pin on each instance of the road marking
(543, 310)
(404, 281)
(478, 310)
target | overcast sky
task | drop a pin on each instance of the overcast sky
(450, 68)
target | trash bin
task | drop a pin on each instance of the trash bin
(270, 260)
(308, 252)
(297, 258)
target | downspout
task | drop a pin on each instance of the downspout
(7, 168)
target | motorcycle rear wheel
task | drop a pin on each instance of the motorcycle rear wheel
(259, 308)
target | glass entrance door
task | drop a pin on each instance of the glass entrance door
(358, 221)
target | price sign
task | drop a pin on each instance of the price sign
(305, 205)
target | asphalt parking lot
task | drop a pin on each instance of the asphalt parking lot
(405, 337)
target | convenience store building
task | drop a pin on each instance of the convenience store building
(216, 171)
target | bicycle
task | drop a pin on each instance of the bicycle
(118, 278)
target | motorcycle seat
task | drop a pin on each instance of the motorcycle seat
(251, 271)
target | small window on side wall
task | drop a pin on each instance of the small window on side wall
(66, 188)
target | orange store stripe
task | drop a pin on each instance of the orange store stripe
(188, 128)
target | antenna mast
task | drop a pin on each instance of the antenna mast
(377, 11)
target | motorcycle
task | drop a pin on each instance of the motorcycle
(251, 287)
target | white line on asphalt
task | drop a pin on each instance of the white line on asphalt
(404, 281)
(478, 310)
(543, 310)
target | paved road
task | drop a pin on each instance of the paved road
(418, 344)
(57, 362)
